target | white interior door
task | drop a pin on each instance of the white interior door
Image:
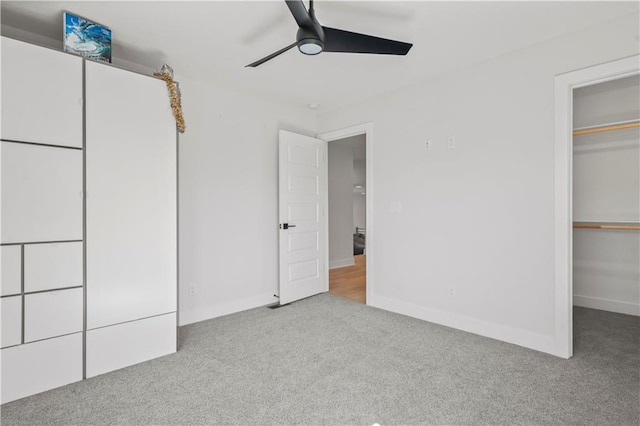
(302, 206)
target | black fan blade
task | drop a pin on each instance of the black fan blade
(299, 12)
(346, 41)
(273, 55)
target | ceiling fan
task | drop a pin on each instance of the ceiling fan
(313, 38)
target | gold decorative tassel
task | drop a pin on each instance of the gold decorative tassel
(176, 104)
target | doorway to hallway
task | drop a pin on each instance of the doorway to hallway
(347, 192)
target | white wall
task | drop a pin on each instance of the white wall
(340, 179)
(360, 178)
(606, 270)
(606, 188)
(228, 199)
(477, 219)
(606, 177)
(612, 101)
(359, 210)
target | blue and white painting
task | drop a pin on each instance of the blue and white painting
(86, 38)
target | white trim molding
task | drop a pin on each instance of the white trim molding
(563, 181)
(189, 316)
(610, 305)
(516, 336)
(341, 263)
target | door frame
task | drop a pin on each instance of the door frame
(563, 187)
(367, 130)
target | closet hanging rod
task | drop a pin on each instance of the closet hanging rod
(619, 125)
(635, 227)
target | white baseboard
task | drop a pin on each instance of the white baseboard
(341, 263)
(607, 305)
(208, 312)
(539, 342)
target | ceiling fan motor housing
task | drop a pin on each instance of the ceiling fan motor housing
(310, 40)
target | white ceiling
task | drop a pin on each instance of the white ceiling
(213, 41)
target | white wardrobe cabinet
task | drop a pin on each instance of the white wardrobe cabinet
(89, 219)
(41, 95)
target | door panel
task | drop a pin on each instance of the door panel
(131, 197)
(121, 345)
(52, 313)
(40, 366)
(304, 241)
(41, 95)
(303, 183)
(11, 321)
(41, 193)
(51, 266)
(11, 273)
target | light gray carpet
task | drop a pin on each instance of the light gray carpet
(327, 360)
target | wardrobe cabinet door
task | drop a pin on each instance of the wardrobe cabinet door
(41, 193)
(52, 313)
(11, 270)
(41, 95)
(40, 366)
(11, 320)
(131, 197)
(121, 345)
(51, 266)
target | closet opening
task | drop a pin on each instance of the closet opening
(606, 210)
(583, 132)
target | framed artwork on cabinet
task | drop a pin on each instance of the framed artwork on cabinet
(86, 38)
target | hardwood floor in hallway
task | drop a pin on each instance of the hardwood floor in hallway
(350, 282)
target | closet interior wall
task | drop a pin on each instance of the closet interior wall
(606, 192)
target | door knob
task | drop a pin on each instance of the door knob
(286, 226)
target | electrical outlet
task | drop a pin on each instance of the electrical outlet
(451, 143)
(192, 289)
(452, 291)
(427, 145)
